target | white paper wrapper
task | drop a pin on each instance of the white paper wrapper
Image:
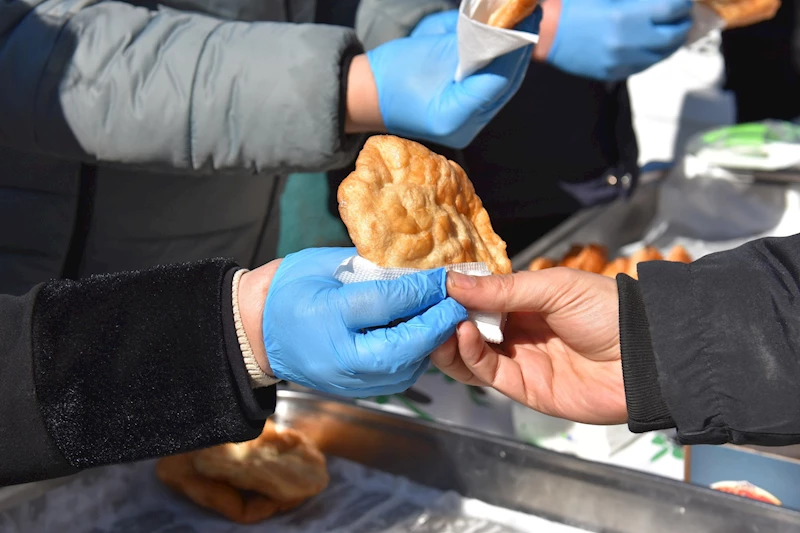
(357, 269)
(478, 43)
(704, 21)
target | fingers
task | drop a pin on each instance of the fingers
(396, 384)
(392, 350)
(491, 83)
(448, 360)
(523, 291)
(314, 262)
(437, 24)
(489, 366)
(378, 303)
(671, 11)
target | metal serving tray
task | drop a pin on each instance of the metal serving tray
(524, 478)
(513, 475)
(614, 225)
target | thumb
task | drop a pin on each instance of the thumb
(539, 291)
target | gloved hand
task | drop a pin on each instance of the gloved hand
(314, 326)
(417, 95)
(614, 39)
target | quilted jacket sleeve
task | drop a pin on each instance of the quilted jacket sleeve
(109, 81)
(379, 21)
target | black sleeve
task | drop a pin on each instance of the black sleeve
(725, 345)
(119, 368)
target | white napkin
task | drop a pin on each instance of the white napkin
(357, 269)
(478, 43)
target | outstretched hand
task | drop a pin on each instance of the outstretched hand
(561, 353)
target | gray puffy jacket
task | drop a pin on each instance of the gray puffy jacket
(135, 134)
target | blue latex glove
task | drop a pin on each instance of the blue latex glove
(314, 326)
(417, 95)
(614, 39)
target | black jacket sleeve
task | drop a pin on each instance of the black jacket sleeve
(122, 367)
(713, 348)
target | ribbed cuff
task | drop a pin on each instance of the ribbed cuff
(647, 410)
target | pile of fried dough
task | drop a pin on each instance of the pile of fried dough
(594, 258)
(251, 481)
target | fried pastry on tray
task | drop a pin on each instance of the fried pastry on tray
(678, 254)
(617, 266)
(541, 263)
(178, 473)
(648, 253)
(511, 13)
(405, 206)
(250, 481)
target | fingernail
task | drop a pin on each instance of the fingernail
(457, 280)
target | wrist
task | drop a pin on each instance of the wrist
(551, 13)
(252, 295)
(363, 112)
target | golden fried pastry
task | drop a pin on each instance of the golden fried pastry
(280, 464)
(617, 266)
(592, 258)
(739, 13)
(678, 254)
(251, 481)
(648, 253)
(511, 13)
(571, 256)
(589, 258)
(405, 206)
(178, 473)
(541, 263)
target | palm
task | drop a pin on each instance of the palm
(561, 353)
(571, 376)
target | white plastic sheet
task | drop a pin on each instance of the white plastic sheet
(130, 499)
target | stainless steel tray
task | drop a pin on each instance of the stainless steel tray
(515, 476)
(521, 477)
(614, 225)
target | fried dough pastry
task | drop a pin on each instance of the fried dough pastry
(678, 254)
(570, 257)
(541, 263)
(280, 464)
(178, 473)
(249, 482)
(739, 13)
(617, 266)
(648, 253)
(590, 258)
(405, 206)
(511, 13)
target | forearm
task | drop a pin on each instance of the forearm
(124, 367)
(125, 85)
(725, 334)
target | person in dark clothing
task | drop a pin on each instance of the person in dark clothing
(762, 66)
(129, 366)
(711, 348)
(137, 134)
(565, 141)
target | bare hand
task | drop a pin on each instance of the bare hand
(561, 353)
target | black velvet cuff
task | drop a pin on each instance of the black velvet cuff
(647, 410)
(257, 404)
(133, 365)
